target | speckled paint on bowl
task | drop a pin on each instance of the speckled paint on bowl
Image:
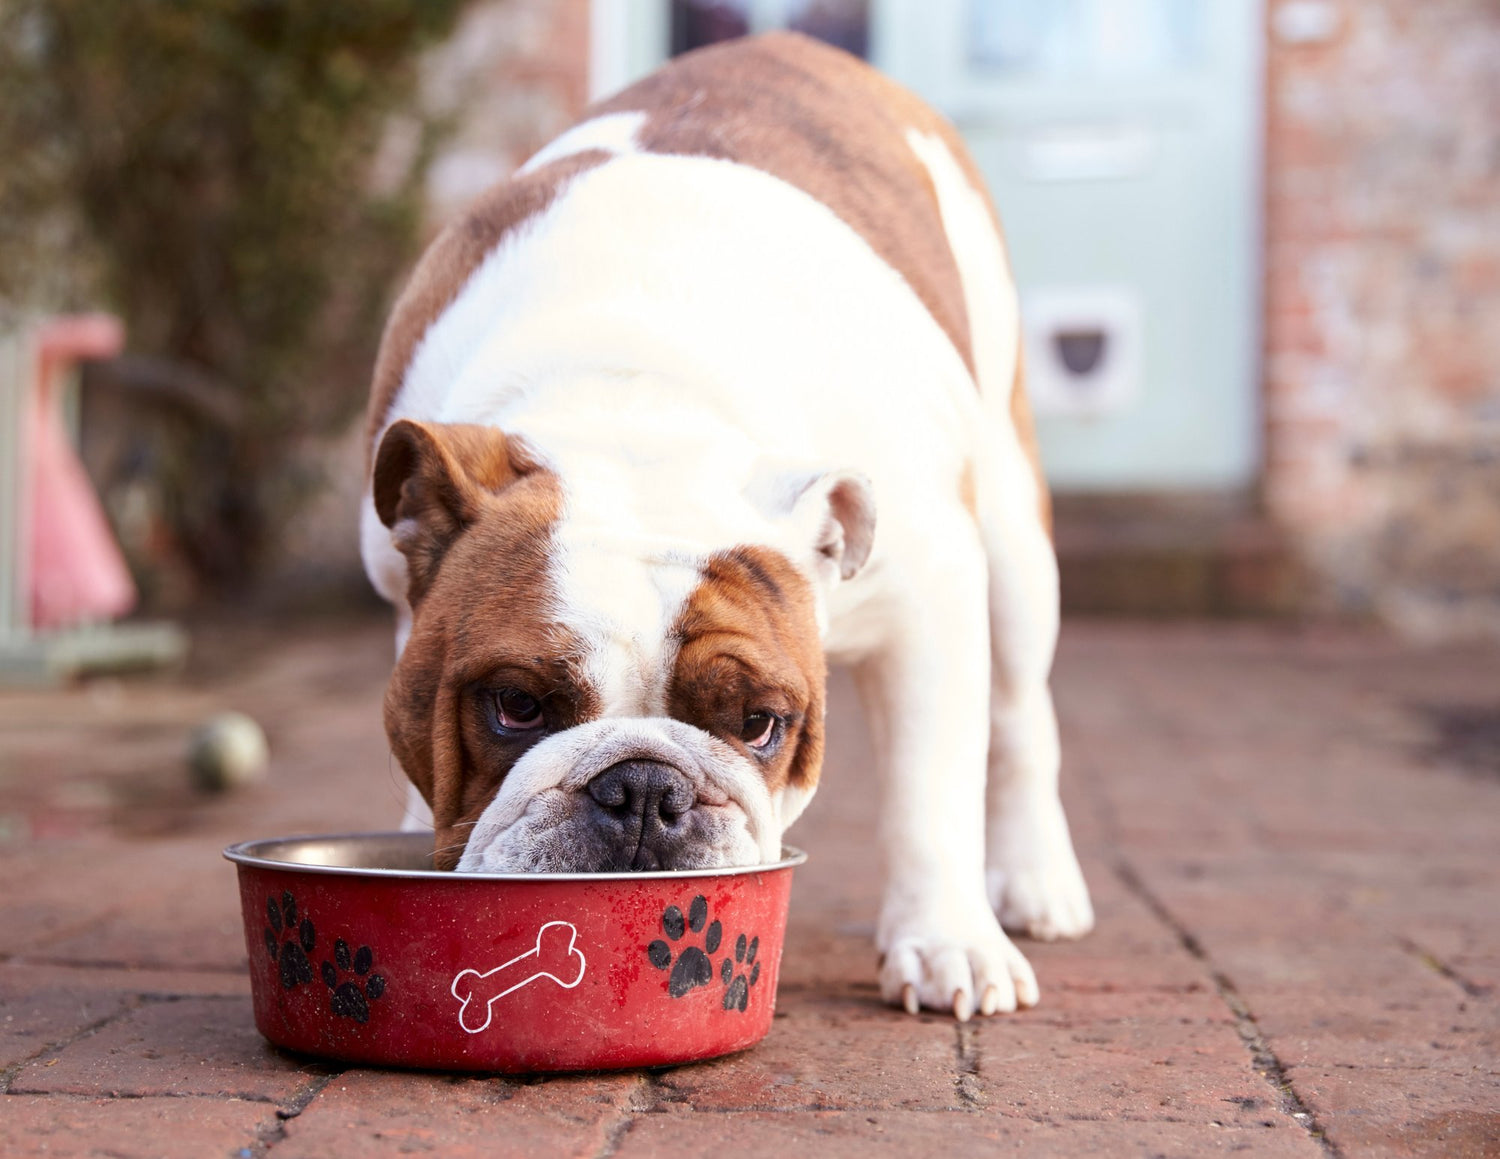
(361, 952)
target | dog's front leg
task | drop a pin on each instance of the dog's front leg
(927, 695)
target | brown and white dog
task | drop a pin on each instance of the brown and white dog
(635, 415)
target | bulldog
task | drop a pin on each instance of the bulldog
(726, 383)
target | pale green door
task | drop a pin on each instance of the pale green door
(1120, 139)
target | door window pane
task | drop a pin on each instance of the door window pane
(699, 22)
(1084, 38)
(845, 23)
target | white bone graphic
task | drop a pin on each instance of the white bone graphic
(552, 957)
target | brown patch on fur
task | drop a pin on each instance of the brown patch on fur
(448, 263)
(480, 547)
(830, 125)
(431, 481)
(748, 642)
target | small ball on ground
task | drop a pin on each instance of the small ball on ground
(227, 751)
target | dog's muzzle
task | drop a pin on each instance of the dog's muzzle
(626, 795)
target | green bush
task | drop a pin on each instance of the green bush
(206, 168)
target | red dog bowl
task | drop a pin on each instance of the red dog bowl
(360, 951)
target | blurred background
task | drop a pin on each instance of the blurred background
(1258, 243)
(1258, 247)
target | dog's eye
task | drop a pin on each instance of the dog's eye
(518, 710)
(759, 729)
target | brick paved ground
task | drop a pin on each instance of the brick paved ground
(1291, 837)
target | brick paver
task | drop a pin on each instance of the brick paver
(186, 1046)
(374, 1113)
(1294, 872)
(169, 1128)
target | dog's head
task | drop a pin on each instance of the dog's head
(573, 698)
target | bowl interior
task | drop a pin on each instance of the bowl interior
(392, 852)
(409, 855)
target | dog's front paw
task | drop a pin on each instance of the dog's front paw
(1034, 882)
(1047, 903)
(961, 963)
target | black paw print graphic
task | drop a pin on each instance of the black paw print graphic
(737, 985)
(693, 966)
(351, 997)
(289, 941)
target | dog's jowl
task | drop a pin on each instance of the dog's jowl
(723, 384)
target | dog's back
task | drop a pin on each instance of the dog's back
(812, 116)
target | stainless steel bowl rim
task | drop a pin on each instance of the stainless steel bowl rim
(255, 853)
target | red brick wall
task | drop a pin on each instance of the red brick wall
(514, 75)
(1382, 388)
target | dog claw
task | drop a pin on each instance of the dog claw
(963, 1005)
(989, 1001)
(909, 998)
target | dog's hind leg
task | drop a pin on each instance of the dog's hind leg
(925, 693)
(1032, 874)
(1031, 871)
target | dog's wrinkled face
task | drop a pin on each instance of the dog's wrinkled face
(549, 740)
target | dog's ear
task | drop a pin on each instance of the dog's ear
(829, 516)
(431, 480)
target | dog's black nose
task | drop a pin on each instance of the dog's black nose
(641, 809)
(646, 791)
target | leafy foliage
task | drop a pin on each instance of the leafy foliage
(220, 172)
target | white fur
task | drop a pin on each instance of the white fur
(989, 291)
(612, 133)
(738, 330)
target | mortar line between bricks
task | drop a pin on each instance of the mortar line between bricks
(645, 1098)
(126, 1096)
(274, 1132)
(1437, 965)
(654, 1093)
(967, 1083)
(1262, 1056)
(615, 1135)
